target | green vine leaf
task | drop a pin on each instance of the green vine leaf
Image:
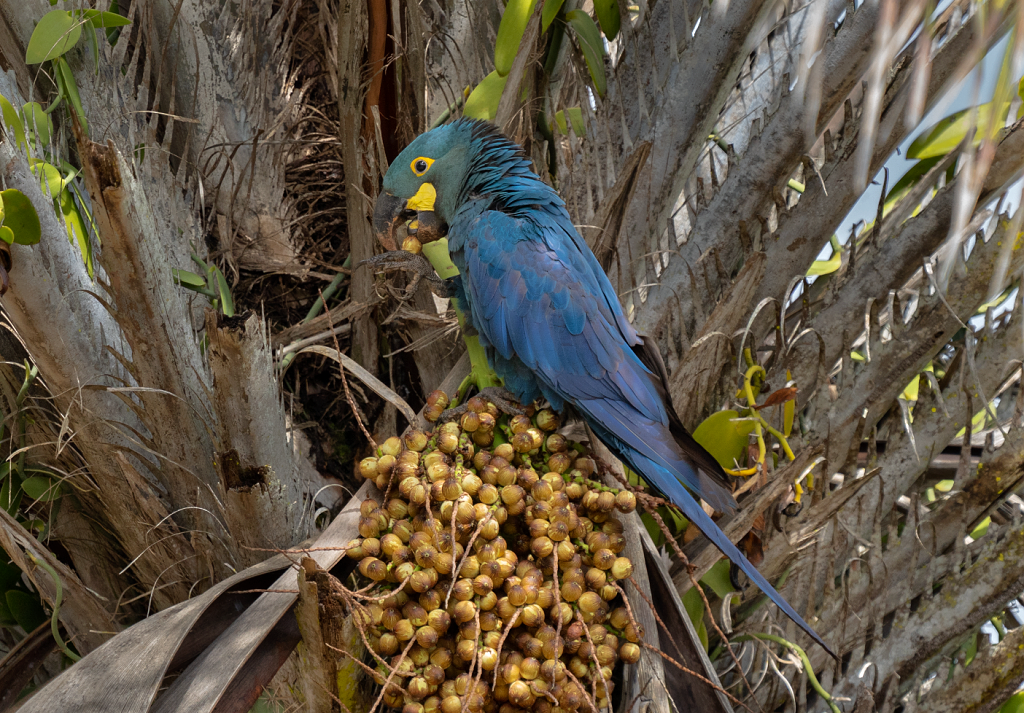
(910, 179)
(41, 488)
(66, 81)
(113, 33)
(10, 575)
(26, 609)
(549, 13)
(57, 33)
(20, 217)
(827, 267)
(483, 101)
(49, 176)
(10, 502)
(188, 279)
(1015, 704)
(6, 619)
(13, 122)
(947, 134)
(694, 607)
(100, 19)
(227, 303)
(608, 16)
(94, 48)
(718, 578)
(510, 33)
(40, 127)
(1020, 93)
(575, 119)
(592, 46)
(77, 232)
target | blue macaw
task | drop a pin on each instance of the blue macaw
(548, 317)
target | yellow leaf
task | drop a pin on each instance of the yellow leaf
(724, 437)
(510, 33)
(947, 134)
(788, 412)
(483, 101)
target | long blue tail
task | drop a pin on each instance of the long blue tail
(675, 491)
(670, 484)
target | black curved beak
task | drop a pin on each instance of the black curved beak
(387, 213)
(390, 211)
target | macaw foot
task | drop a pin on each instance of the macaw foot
(497, 395)
(417, 264)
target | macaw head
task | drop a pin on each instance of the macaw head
(427, 177)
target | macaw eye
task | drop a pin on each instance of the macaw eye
(420, 165)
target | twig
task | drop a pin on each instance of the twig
(586, 693)
(387, 681)
(654, 611)
(54, 618)
(477, 662)
(501, 641)
(597, 664)
(332, 695)
(314, 311)
(290, 350)
(466, 551)
(632, 620)
(344, 382)
(707, 605)
(803, 659)
(696, 675)
(295, 550)
(359, 594)
(263, 591)
(366, 668)
(455, 511)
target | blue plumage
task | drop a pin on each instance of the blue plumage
(551, 321)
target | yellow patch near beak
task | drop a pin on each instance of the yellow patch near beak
(424, 199)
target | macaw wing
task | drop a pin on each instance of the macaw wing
(534, 296)
(650, 355)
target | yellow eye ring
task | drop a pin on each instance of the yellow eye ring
(420, 165)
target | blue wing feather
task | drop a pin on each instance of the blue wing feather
(675, 492)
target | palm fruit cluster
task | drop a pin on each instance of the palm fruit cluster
(492, 563)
